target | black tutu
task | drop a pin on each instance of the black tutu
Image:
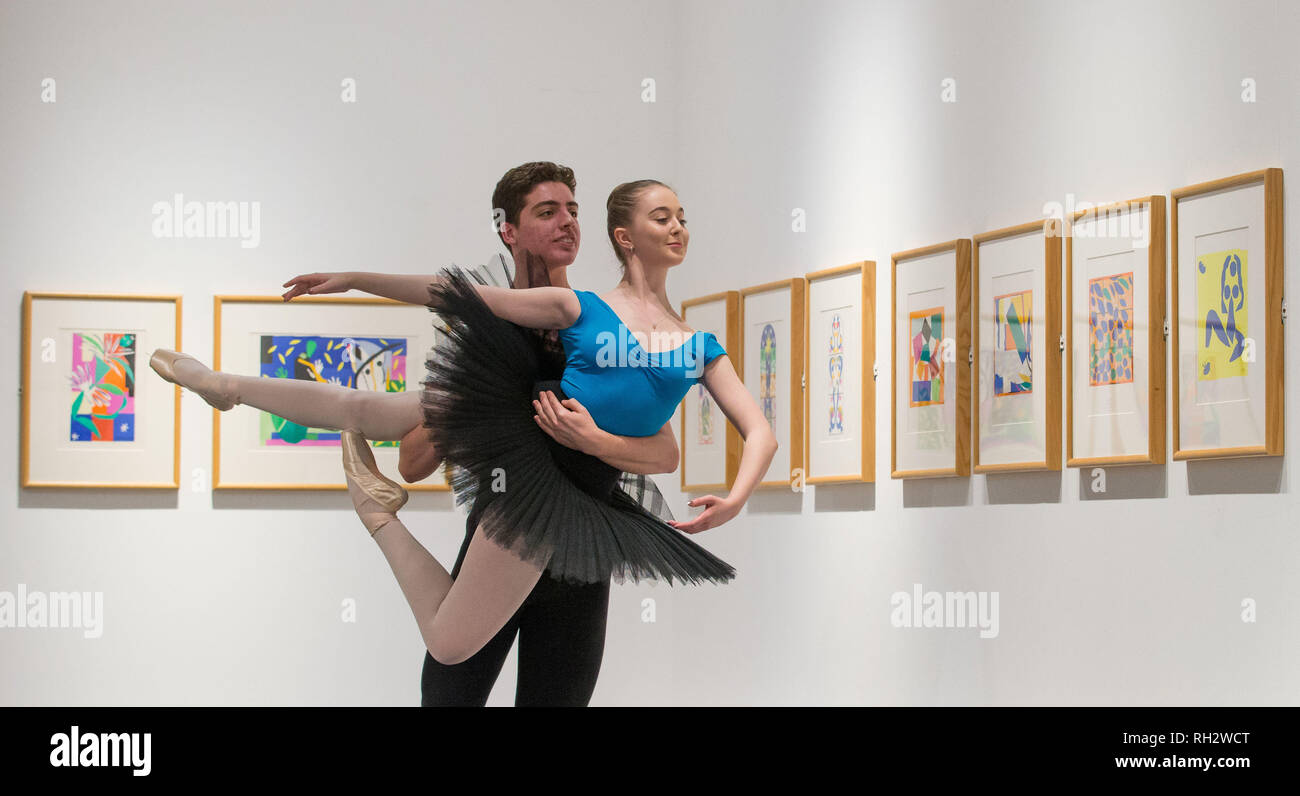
(556, 507)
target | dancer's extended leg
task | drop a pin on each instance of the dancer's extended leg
(377, 415)
(456, 618)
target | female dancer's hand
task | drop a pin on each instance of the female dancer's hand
(718, 511)
(568, 422)
(318, 283)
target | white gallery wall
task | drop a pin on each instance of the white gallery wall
(1131, 596)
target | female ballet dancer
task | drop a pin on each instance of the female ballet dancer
(533, 515)
(538, 516)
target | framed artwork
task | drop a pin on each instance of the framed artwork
(710, 445)
(365, 344)
(89, 419)
(772, 347)
(1227, 289)
(930, 340)
(840, 352)
(1115, 343)
(1017, 368)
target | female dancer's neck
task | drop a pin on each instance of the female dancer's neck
(645, 284)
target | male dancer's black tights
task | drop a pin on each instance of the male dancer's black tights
(561, 629)
(561, 625)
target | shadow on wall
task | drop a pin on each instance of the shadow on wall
(1127, 482)
(1256, 476)
(775, 501)
(935, 492)
(1244, 476)
(96, 499)
(844, 497)
(1032, 487)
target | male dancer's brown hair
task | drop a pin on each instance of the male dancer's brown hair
(513, 187)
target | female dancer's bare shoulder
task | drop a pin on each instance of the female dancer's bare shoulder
(644, 322)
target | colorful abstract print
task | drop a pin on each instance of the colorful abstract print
(1221, 311)
(103, 387)
(1110, 330)
(767, 373)
(926, 368)
(1013, 367)
(363, 363)
(835, 362)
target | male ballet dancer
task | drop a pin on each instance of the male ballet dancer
(561, 625)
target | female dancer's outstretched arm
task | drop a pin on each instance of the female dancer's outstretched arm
(533, 307)
(742, 410)
(538, 308)
(406, 288)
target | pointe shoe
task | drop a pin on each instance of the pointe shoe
(375, 497)
(164, 362)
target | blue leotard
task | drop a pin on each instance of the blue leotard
(628, 391)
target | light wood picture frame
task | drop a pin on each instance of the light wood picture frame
(1114, 332)
(1228, 345)
(1016, 330)
(772, 324)
(930, 285)
(840, 355)
(90, 417)
(710, 445)
(382, 341)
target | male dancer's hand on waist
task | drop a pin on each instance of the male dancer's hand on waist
(568, 422)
